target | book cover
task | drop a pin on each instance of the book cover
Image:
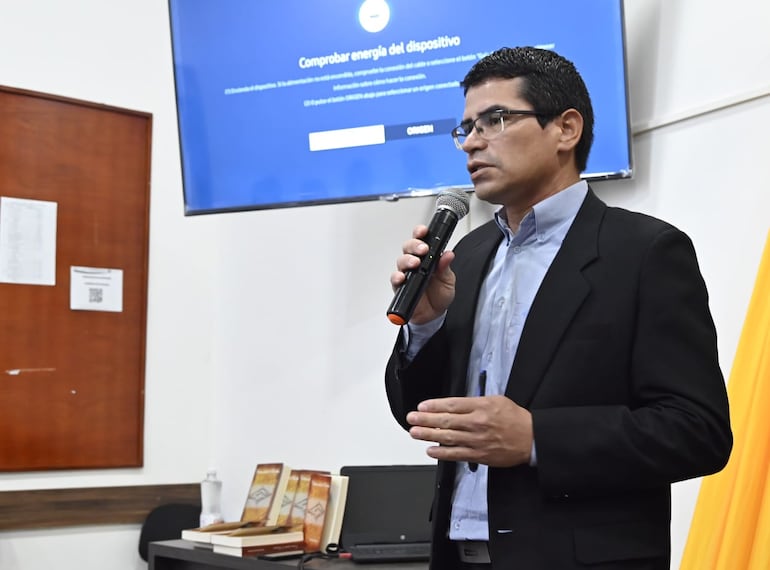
(268, 485)
(288, 497)
(283, 548)
(297, 514)
(257, 536)
(315, 511)
(203, 534)
(338, 494)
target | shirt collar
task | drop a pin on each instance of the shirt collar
(546, 216)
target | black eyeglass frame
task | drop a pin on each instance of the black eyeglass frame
(461, 132)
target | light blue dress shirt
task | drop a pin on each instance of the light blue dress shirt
(515, 275)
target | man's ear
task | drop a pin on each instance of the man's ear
(571, 125)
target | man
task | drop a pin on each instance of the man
(565, 365)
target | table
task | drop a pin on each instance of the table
(185, 555)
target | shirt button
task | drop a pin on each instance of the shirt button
(517, 249)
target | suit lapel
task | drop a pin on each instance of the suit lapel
(558, 299)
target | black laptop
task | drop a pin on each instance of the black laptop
(387, 512)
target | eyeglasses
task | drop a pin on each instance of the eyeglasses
(488, 125)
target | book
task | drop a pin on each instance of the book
(258, 536)
(288, 497)
(203, 534)
(310, 514)
(285, 548)
(315, 510)
(296, 519)
(338, 494)
(263, 502)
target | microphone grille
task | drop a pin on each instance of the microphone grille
(454, 199)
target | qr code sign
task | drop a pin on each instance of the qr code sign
(96, 289)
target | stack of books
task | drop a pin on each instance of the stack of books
(287, 511)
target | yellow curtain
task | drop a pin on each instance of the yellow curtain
(731, 525)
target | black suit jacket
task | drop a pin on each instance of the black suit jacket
(618, 364)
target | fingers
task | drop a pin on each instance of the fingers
(448, 406)
(453, 445)
(420, 231)
(465, 444)
(413, 249)
(448, 421)
(456, 453)
(492, 430)
(416, 245)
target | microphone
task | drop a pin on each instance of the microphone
(451, 205)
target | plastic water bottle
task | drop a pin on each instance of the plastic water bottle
(211, 499)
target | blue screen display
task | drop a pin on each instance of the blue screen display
(295, 102)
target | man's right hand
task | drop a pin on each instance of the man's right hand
(440, 291)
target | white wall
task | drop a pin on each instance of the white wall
(266, 330)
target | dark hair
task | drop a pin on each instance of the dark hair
(551, 84)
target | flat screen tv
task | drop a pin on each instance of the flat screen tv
(294, 102)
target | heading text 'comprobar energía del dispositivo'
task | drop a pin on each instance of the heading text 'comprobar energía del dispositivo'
(396, 48)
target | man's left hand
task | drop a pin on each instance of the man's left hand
(492, 430)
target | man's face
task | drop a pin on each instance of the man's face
(518, 166)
